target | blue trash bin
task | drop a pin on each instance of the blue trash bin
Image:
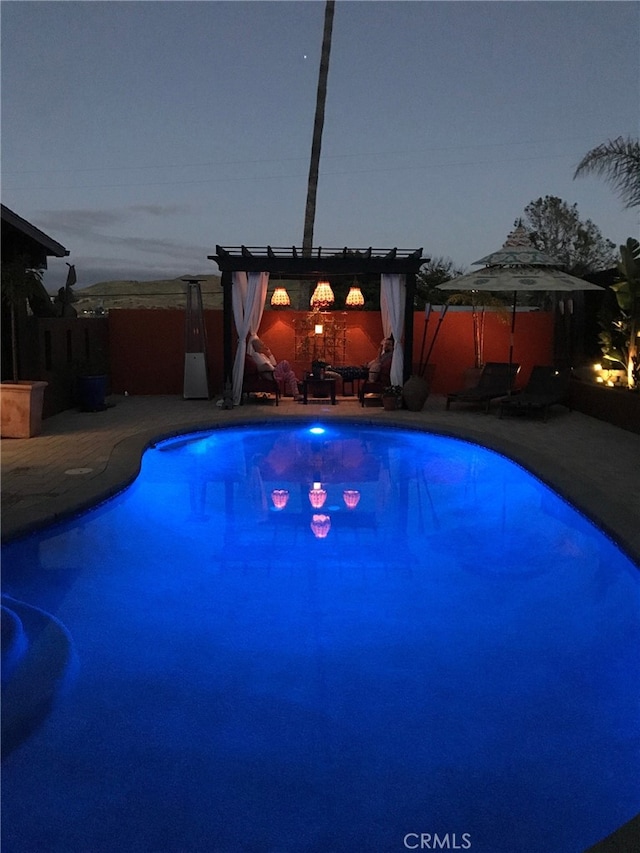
(92, 391)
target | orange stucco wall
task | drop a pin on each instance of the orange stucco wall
(453, 351)
(147, 350)
(147, 346)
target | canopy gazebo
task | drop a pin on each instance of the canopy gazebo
(245, 273)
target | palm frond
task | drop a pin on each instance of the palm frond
(618, 162)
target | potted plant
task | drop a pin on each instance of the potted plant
(619, 319)
(479, 302)
(21, 400)
(392, 397)
(628, 296)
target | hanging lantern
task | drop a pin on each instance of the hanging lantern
(322, 296)
(317, 496)
(280, 498)
(354, 298)
(320, 525)
(351, 497)
(280, 297)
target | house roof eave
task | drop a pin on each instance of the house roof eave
(48, 246)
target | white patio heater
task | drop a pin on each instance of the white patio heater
(196, 372)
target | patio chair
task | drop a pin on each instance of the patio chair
(495, 381)
(371, 392)
(546, 387)
(260, 381)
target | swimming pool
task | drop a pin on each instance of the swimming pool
(446, 649)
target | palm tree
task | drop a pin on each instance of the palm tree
(618, 161)
(318, 126)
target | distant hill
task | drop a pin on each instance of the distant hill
(163, 293)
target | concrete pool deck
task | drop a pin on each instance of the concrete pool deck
(82, 458)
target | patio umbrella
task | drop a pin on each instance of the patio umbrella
(518, 267)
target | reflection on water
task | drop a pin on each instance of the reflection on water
(389, 499)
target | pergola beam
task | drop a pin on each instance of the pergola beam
(321, 262)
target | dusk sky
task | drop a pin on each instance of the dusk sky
(141, 134)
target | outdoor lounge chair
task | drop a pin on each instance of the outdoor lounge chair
(546, 386)
(260, 382)
(495, 381)
(371, 392)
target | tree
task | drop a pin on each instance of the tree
(436, 272)
(20, 284)
(556, 228)
(628, 297)
(318, 127)
(618, 162)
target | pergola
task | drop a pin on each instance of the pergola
(292, 263)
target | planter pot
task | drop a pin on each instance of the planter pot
(92, 391)
(415, 392)
(391, 404)
(21, 404)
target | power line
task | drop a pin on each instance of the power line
(324, 174)
(265, 160)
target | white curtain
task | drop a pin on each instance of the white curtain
(392, 302)
(249, 293)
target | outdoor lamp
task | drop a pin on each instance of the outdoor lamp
(318, 328)
(354, 298)
(322, 296)
(280, 296)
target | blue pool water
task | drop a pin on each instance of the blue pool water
(456, 655)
